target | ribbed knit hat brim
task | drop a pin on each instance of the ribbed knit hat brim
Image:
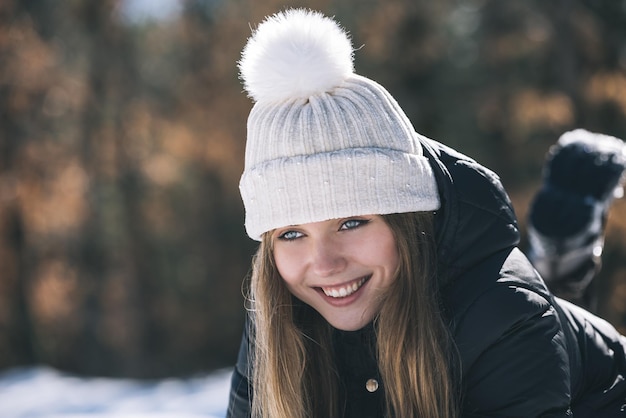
(338, 184)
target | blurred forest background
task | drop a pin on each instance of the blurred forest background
(122, 248)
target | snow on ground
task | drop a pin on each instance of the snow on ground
(47, 393)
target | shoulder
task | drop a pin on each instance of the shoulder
(514, 355)
(496, 299)
(505, 310)
(511, 343)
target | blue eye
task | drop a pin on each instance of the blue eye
(353, 223)
(290, 235)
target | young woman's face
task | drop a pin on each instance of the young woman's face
(340, 267)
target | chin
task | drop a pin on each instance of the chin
(349, 325)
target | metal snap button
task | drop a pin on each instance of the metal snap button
(371, 385)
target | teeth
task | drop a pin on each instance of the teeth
(343, 291)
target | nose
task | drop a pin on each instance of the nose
(327, 258)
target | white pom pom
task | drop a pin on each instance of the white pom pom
(295, 54)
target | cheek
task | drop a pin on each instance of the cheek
(388, 254)
(287, 265)
(392, 260)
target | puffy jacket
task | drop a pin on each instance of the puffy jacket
(523, 352)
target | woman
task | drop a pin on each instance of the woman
(388, 281)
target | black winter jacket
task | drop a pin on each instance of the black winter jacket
(524, 353)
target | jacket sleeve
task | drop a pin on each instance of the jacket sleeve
(241, 388)
(514, 356)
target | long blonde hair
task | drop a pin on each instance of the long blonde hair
(293, 369)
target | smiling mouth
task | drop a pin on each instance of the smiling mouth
(345, 290)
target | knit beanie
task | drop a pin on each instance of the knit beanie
(323, 142)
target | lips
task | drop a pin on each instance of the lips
(344, 290)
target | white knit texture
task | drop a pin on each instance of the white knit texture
(344, 148)
(340, 184)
